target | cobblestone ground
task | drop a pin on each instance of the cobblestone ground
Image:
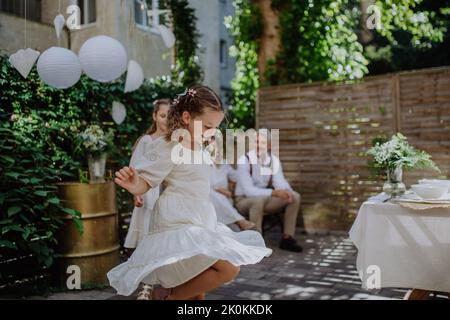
(324, 270)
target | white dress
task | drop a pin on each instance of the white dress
(140, 219)
(223, 205)
(185, 237)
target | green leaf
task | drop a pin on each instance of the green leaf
(6, 221)
(79, 225)
(54, 200)
(41, 193)
(14, 175)
(26, 234)
(48, 261)
(11, 228)
(13, 210)
(7, 244)
(71, 212)
(9, 159)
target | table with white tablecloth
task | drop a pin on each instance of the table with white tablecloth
(410, 248)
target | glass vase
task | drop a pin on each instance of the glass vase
(394, 186)
(97, 164)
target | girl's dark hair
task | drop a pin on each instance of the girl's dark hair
(156, 106)
(195, 100)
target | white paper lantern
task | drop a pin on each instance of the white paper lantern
(24, 60)
(59, 67)
(119, 112)
(167, 35)
(135, 76)
(103, 58)
(59, 22)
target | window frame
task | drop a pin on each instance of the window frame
(34, 9)
(85, 12)
(152, 16)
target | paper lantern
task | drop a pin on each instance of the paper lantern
(118, 112)
(59, 67)
(24, 60)
(103, 58)
(167, 35)
(59, 22)
(135, 76)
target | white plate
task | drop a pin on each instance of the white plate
(412, 197)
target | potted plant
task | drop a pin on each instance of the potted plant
(96, 143)
(393, 156)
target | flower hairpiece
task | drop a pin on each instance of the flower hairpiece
(190, 92)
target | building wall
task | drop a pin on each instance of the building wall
(144, 47)
(39, 36)
(227, 70)
(210, 24)
(115, 18)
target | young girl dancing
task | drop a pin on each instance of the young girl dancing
(187, 252)
(143, 205)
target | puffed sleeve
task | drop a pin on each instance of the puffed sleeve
(140, 149)
(156, 164)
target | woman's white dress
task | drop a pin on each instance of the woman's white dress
(223, 205)
(185, 237)
(140, 219)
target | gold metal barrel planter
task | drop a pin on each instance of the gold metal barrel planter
(96, 251)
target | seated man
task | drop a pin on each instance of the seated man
(261, 188)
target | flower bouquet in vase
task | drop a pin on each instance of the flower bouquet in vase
(95, 142)
(392, 157)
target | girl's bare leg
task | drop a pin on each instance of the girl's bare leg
(201, 296)
(218, 274)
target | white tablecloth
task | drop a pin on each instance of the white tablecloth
(411, 248)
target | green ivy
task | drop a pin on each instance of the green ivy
(187, 67)
(406, 15)
(318, 42)
(319, 38)
(246, 28)
(38, 129)
(40, 124)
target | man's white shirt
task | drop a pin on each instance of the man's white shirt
(257, 184)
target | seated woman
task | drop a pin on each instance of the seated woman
(222, 197)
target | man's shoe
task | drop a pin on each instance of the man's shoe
(290, 244)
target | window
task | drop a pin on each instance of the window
(17, 7)
(88, 11)
(148, 14)
(223, 53)
(140, 13)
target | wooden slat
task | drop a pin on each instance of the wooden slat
(325, 130)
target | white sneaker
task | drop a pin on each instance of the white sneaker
(146, 293)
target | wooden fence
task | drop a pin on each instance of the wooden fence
(325, 129)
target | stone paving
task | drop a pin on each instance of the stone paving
(324, 270)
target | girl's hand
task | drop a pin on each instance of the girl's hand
(128, 179)
(138, 201)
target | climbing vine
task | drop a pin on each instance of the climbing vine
(318, 42)
(246, 28)
(320, 38)
(187, 68)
